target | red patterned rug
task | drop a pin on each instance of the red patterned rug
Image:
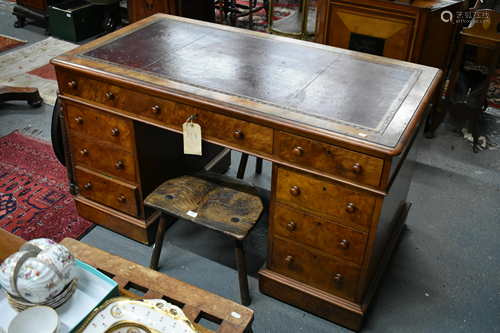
(7, 43)
(34, 192)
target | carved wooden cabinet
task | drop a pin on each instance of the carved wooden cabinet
(413, 32)
(343, 146)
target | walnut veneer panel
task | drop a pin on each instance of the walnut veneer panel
(108, 191)
(315, 269)
(100, 126)
(213, 125)
(330, 159)
(101, 157)
(323, 197)
(324, 235)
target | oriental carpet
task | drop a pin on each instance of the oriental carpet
(7, 43)
(34, 192)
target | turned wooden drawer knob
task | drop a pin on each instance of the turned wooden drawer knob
(295, 190)
(88, 186)
(298, 151)
(357, 168)
(288, 259)
(119, 165)
(344, 244)
(79, 120)
(350, 208)
(115, 132)
(155, 109)
(122, 199)
(338, 278)
(291, 226)
(238, 134)
(84, 152)
(110, 96)
(72, 84)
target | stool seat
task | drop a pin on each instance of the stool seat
(220, 203)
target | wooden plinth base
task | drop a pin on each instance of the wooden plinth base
(126, 225)
(330, 307)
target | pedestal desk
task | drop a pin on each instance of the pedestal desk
(341, 128)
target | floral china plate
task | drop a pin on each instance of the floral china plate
(126, 315)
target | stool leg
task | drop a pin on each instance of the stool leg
(242, 272)
(258, 165)
(162, 227)
(242, 166)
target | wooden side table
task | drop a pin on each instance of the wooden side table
(466, 97)
(34, 10)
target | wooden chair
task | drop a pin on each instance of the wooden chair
(236, 10)
(215, 201)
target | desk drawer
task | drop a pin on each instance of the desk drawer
(100, 126)
(331, 159)
(96, 91)
(213, 125)
(107, 191)
(94, 155)
(324, 197)
(315, 269)
(324, 235)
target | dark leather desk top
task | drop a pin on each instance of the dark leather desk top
(301, 84)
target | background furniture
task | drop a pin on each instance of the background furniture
(29, 94)
(196, 303)
(234, 10)
(221, 203)
(411, 32)
(467, 89)
(339, 175)
(34, 10)
(299, 24)
(196, 9)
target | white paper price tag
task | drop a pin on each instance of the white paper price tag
(192, 138)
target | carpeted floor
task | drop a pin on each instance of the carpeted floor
(34, 192)
(29, 66)
(7, 43)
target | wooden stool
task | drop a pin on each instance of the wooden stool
(212, 200)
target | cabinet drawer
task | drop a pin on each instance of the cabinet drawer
(324, 235)
(324, 197)
(92, 90)
(315, 269)
(213, 125)
(107, 191)
(333, 160)
(98, 125)
(113, 161)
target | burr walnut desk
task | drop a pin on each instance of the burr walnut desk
(342, 129)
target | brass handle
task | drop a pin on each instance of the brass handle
(298, 151)
(291, 226)
(115, 132)
(122, 199)
(155, 109)
(238, 134)
(110, 96)
(79, 120)
(338, 278)
(119, 165)
(295, 190)
(72, 84)
(84, 152)
(88, 186)
(350, 208)
(357, 168)
(288, 259)
(344, 244)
